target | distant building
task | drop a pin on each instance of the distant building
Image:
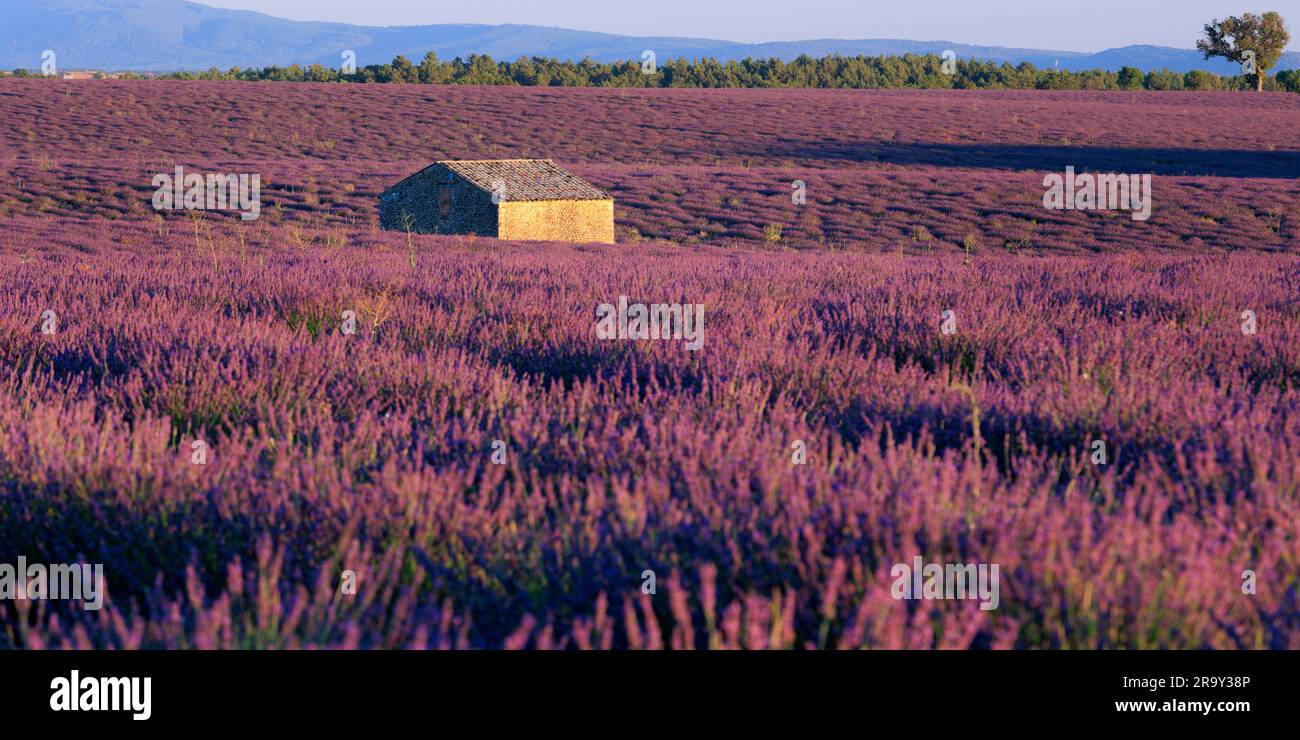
(89, 75)
(529, 199)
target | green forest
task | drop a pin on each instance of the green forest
(861, 72)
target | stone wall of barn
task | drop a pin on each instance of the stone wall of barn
(559, 220)
(437, 201)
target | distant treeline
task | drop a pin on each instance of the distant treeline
(861, 72)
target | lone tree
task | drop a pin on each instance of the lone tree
(1253, 41)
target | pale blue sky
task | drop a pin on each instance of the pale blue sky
(1069, 25)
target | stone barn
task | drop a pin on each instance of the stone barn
(504, 198)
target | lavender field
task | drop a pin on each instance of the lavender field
(373, 452)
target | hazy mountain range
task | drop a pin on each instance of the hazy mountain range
(169, 35)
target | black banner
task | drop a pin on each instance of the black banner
(318, 689)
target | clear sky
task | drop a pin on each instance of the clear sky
(1068, 25)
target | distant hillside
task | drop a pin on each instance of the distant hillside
(170, 35)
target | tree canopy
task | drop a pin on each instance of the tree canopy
(1254, 41)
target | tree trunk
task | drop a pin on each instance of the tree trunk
(1259, 80)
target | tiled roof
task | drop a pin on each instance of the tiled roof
(525, 179)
